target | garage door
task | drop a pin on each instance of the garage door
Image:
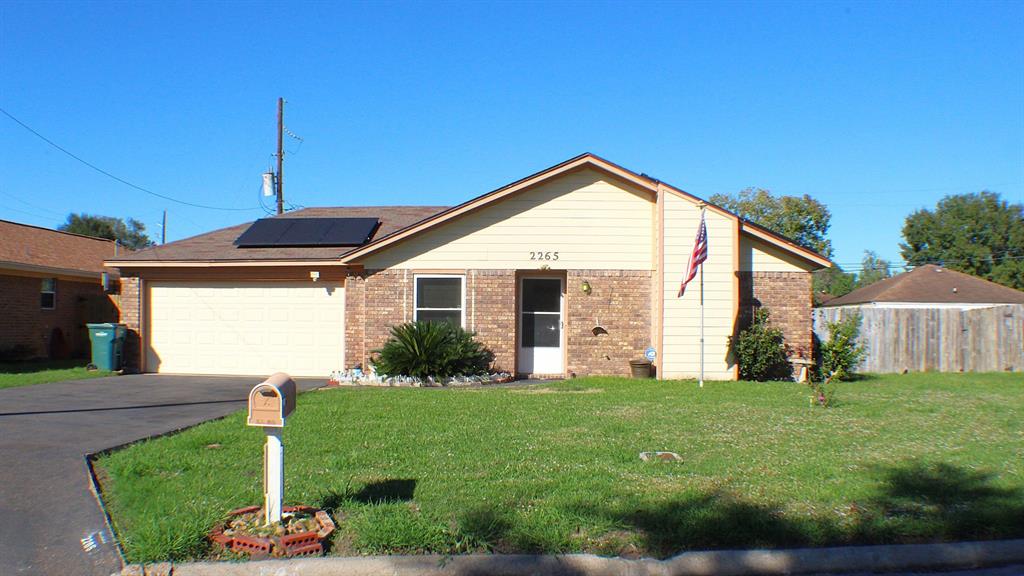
(249, 328)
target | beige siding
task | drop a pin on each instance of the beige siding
(759, 256)
(681, 339)
(591, 220)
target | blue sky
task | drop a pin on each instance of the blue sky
(876, 109)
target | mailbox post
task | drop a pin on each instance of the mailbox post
(270, 403)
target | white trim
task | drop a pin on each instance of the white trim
(462, 295)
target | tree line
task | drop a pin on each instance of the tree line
(979, 234)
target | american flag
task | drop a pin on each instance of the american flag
(697, 257)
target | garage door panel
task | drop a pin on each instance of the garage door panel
(249, 328)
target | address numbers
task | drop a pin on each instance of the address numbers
(543, 255)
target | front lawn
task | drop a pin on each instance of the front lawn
(555, 468)
(39, 372)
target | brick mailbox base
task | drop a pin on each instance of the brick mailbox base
(306, 543)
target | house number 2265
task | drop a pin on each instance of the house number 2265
(543, 255)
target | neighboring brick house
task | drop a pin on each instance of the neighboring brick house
(573, 270)
(50, 286)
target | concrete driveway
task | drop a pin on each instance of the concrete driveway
(49, 520)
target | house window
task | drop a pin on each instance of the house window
(440, 299)
(48, 294)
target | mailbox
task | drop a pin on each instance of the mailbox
(271, 401)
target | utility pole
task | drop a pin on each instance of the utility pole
(280, 155)
(163, 230)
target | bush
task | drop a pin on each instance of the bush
(761, 351)
(437, 349)
(841, 353)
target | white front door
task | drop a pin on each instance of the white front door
(540, 326)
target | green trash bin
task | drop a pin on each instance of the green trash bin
(107, 345)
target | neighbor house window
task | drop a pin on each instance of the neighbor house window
(440, 299)
(48, 294)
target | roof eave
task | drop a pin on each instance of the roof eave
(221, 263)
(39, 269)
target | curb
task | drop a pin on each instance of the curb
(862, 559)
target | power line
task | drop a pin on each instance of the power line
(15, 198)
(109, 175)
(903, 264)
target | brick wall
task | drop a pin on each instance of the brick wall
(355, 318)
(26, 324)
(131, 315)
(376, 300)
(620, 302)
(787, 295)
(491, 313)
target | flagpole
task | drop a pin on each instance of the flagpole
(701, 381)
(701, 326)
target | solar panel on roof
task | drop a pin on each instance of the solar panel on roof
(280, 232)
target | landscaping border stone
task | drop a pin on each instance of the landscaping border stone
(289, 545)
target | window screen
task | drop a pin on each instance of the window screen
(439, 299)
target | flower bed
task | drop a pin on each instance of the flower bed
(356, 377)
(301, 532)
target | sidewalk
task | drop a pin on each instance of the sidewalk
(837, 560)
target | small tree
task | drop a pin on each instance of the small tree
(431, 349)
(841, 353)
(838, 357)
(761, 350)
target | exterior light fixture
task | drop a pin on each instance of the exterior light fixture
(585, 287)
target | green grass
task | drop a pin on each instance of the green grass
(16, 374)
(555, 468)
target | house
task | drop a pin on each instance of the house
(572, 270)
(51, 284)
(933, 318)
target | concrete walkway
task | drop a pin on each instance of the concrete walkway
(49, 520)
(993, 558)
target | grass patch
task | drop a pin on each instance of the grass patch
(14, 374)
(898, 459)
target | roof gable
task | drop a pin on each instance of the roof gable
(931, 284)
(582, 161)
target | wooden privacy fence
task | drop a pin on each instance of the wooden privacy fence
(940, 339)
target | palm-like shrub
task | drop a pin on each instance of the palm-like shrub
(432, 349)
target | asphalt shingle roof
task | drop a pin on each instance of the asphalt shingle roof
(218, 246)
(930, 283)
(35, 246)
